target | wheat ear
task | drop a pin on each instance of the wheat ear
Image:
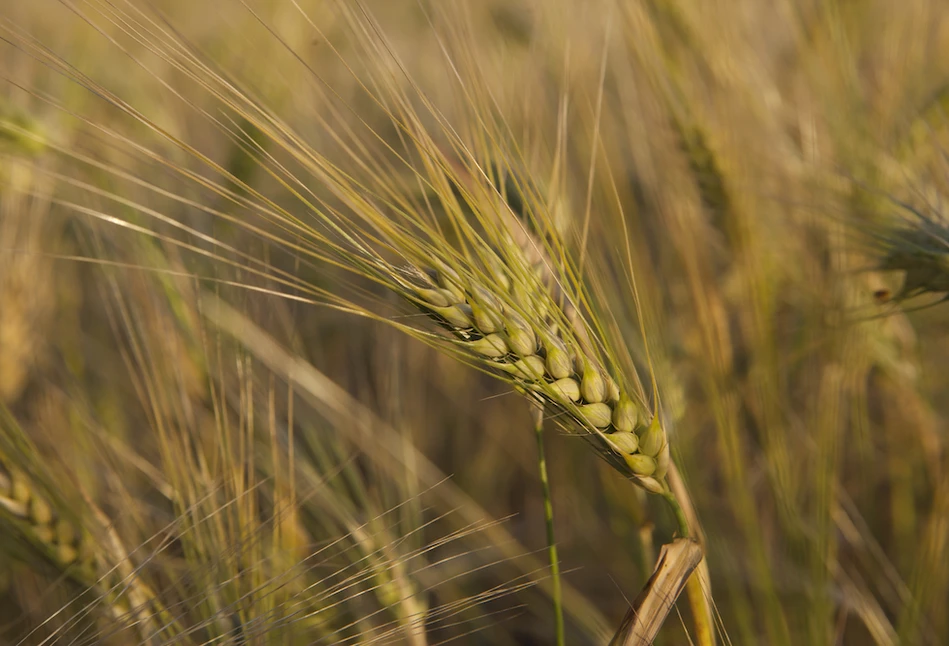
(41, 518)
(922, 252)
(513, 328)
(59, 538)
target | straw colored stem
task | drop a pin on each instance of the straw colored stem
(645, 618)
(698, 583)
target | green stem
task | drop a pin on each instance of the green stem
(679, 514)
(549, 520)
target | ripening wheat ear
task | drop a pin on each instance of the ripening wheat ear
(76, 541)
(510, 325)
(55, 535)
(918, 246)
(923, 254)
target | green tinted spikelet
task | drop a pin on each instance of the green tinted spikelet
(433, 297)
(597, 414)
(559, 364)
(491, 346)
(626, 443)
(504, 331)
(592, 385)
(520, 336)
(625, 415)
(458, 316)
(652, 439)
(566, 390)
(641, 465)
(54, 535)
(650, 484)
(529, 368)
(920, 249)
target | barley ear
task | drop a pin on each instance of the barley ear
(540, 355)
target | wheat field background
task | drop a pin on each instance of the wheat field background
(231, 413)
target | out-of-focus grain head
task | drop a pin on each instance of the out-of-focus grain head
(26, 286)
(919, 249)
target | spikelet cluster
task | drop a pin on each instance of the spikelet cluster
(922, 252)
(515, 329)
(62, 540)
(57, 536)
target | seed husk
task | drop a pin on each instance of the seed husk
(625, 415)
(566, 389)
(433, 297)
(40, 512)
(559, 364)
(624, 442)
(662, 461)
(641, 465)
(65, 532)
(449, 280)
(520, 295)
(529, 368)
(450, 296)
(650, 484)
(20, 490)
(652, 438)
(612, 389)
(459, 316)
(520, 336)
(491, 346)
(597, 414)
(66, 554)
(485, 319)
(592, 386)
(486, 312)
(498, 274)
